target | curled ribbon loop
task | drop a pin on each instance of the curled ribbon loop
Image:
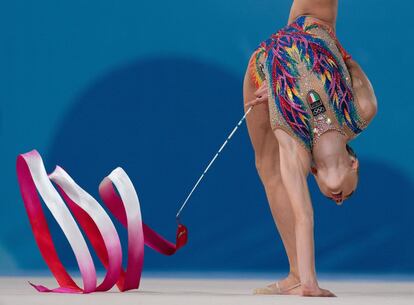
(120, 197)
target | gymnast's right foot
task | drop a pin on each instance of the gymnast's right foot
(288, 286)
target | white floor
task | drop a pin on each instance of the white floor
(194, 291)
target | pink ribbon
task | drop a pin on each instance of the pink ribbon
(119, 196)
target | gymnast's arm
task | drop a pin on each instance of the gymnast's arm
(294, 167)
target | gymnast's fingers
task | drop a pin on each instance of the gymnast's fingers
(261, 93)
(256, 101)
(262, 98)
(262, 90)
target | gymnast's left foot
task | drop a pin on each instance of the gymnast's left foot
(288, 286)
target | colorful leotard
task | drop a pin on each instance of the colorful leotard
(304, 63)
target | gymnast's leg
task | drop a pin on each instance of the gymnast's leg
(266, 150)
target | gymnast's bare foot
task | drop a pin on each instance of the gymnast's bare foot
(315, 292)
(288, 286)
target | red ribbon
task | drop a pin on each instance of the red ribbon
(119, 196)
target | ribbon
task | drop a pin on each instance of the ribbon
(119, 196)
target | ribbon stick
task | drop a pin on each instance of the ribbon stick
(120, 197)
(211, 163)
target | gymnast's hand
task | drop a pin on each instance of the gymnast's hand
(261, 95)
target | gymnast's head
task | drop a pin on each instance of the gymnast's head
(335, 169)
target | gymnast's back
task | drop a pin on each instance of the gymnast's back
(302, 62)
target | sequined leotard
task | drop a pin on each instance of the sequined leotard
(310, 90)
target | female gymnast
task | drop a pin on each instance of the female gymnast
(309, 99)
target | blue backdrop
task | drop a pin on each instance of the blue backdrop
(155, 87)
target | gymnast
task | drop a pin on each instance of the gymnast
(309, 100)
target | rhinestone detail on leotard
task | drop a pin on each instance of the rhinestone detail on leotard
(301, 57)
